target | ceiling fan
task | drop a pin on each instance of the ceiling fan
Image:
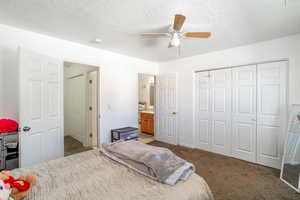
(175, 33)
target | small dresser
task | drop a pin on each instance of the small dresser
(9, 155)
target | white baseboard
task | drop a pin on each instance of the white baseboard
(187, 145)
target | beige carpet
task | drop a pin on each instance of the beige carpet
(233, 179)
(73, 146)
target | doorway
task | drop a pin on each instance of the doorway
(80, 108)
(146, 107)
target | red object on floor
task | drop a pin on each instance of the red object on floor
(8, 125)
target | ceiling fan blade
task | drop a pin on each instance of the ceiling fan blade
(156, 35)
(197, 34)
(178, 22)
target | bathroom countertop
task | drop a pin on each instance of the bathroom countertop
(147, 111)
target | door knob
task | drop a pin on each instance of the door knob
(26, 129)
(174, 113)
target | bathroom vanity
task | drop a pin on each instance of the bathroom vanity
(147, 122)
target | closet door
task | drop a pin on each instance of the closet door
(271, 114)
(221, 111)
(244, 113)
(202, 111)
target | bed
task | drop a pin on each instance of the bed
(91, 175)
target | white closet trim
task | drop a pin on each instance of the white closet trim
(243, 65)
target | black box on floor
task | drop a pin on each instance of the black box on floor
(126, 133)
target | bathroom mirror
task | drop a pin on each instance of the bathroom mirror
(146, 89)
(290, 171)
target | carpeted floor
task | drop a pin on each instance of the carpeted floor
(73, 146)
(233, 179)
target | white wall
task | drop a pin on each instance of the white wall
(5, 94)
(10, 83)
(288, 47)
(118, 79)
(1, 86)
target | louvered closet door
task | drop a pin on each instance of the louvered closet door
(203, 111)
(221, 111)
(271, 122)
(244, 113)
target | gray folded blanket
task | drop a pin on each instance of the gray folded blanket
(155, 162)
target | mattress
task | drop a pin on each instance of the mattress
(91, 175)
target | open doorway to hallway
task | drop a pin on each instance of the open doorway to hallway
(146, 107)
(80, 107)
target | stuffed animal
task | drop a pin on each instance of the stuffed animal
(18, 187)
(4, 191)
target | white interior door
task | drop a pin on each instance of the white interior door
(167, 123)
(41, 136)
(203, 111)
(221, 111)
(244, 113)
(93, 103)
(271, 122)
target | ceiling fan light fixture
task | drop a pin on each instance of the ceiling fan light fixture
(176, 34)
(175, 40)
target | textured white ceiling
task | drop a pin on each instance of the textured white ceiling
(119, 22)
